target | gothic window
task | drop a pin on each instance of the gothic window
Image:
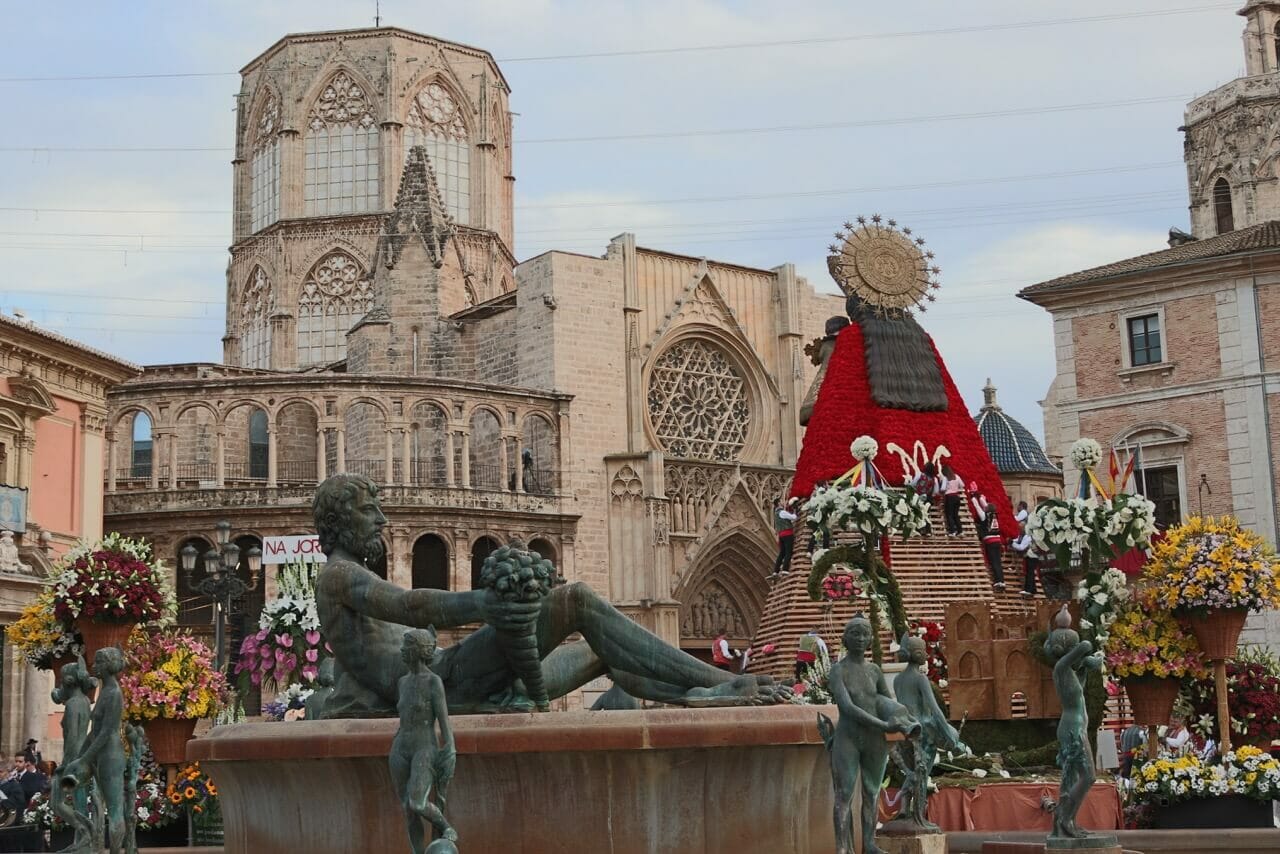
(341, 151)
(698, 402)
(435, 122)
(259, 444)
(140, 447)
(1222, 206)
(264, 166)
(1276, 44)
(335, 294)
(255, 321)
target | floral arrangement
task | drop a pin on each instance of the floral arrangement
(1085, 454)
(1253, 699)
(1101, 594)
(192, 788)
(839, 585)
(864, 448)
(1147, 641)
(289, 705)
(113, 580)
(933, 635)
(1209, 563)
(288, 646)
(1103, 527)
(40, 635)
(169, 674)
(151, 808)
(868, 510)
(813, 688)
(1245, 771)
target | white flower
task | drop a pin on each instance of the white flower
(978, 772)
(1100, 598)
(1085, 454)
(864, 448)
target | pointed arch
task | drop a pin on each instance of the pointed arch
(340, 148)
(257, 302)
(1223, 216)
(437, 118)
(264, 160)
(336, 292)
(727, 583)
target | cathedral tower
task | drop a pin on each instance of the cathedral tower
(1233, 135)
(325, 124)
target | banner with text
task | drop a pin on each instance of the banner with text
(288, 549)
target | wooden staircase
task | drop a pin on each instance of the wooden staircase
(931, 571)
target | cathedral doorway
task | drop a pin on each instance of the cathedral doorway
(726, 588)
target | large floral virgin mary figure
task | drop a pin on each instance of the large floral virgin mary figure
(881, 375)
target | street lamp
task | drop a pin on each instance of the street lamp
(220, 581)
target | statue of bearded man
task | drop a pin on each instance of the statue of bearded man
(364, 619)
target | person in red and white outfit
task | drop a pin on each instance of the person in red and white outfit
(721, 654)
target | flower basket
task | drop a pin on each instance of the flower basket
(98, 634)
(1151, 698)
(168, 738)
(1218, 630)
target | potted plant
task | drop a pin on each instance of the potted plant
(107, 588)
(1253, 700)
(169, 683)
(1185, 792)
(43, 638)
(1151, 653)
(288, 646)
(1212, 573)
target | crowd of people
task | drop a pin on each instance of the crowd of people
(28, 776)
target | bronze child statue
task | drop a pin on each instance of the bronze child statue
(421, 763)
(73, 694)
(137, 741)
(1072, 660)
(103, 755)
(857, 744)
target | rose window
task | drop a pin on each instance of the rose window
(698, 402)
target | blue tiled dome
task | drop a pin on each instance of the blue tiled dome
(1012, 447)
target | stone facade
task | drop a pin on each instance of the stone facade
(53, 417)
(632, 414)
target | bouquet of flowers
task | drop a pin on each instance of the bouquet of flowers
(813, 688)
(1148, 641)
(839, 586)
(933, 635)
(1085, 454)
(114, 580)
(1253, 699)
(151, 808)
(288, 646)
(1246, 771)
(1101, 593)
(192, 788)
(40, 635)
(289, 705)
(1210, 563)
(864, 448)
(169, 674)
(868, 510)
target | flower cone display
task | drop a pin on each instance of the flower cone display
(1151, 698)
(1218, 630)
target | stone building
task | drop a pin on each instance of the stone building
(1027, 473)
(630, 414)
(53, 413)
(1172, 356)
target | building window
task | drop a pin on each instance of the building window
(255, 321)
(264, 166)
(340, 153)
(140, 448)
(1144, 340)
(335, 294)
(698, 402)
(1276, 45)
(1222, 206)
(435, 122)
(1162, 488)
(259, 444)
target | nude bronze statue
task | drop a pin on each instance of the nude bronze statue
(422, 763)
(365, 617)
(857, 744)
(102, 757)
(73, 806)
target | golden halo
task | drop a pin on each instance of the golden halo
(883, 265)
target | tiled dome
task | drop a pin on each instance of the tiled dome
(1011, 446)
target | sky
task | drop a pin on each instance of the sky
(1021, 140)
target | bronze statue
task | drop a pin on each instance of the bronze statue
(857, 744)
(137, 741)
(320, 694)
(103, 755)
(364, 618)
(1072, 660)
(73, 806)
(916, 756)
(518, 575)
(421, 764)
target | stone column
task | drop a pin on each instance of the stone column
(405, 478)
(519, 466)
(273, 450)
(155, 458)
(220, 459)
(111, 461)
(466, 459)
(35, 704)
(341, 440)
(322, 439)
(502, 461)
(171, 444)
(450, 476)
(389, 475)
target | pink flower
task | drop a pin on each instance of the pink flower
(284, 640)
(313, 637)
(313, 655)
(262, 634)
(310, 673)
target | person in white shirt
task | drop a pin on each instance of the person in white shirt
(1025, 547)
(952, 486)
(784, 522)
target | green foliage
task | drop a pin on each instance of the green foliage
(1008, 736)
(876, 576)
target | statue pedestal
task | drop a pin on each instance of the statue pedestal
(736, 780)
(926, 843)
(1092, 844)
